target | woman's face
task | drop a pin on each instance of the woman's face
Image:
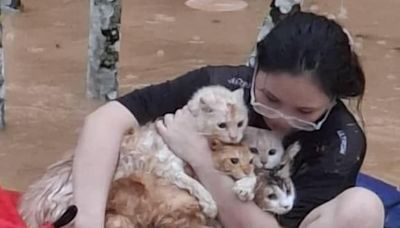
(293, 96)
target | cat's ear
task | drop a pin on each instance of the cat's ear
(197, 106)
(293, 149)
(239, 93)
(215, 144)
(250, 136)
(205, 105)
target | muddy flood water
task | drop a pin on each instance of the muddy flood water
(46, 57)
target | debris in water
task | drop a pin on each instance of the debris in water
(381, 42)
(59, 24)
(158, 18)
(164, 18)
(391, 77)
(286, 5)
(342, 11)
(10, 36)
(217, 5)
(331, 16)
(131, 76)
(358, 45)
(160, 53)
(198, 61)
(35, 50)
(388, 56)
(196, 40)
(314, 8)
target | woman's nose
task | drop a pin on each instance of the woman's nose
(279, 124)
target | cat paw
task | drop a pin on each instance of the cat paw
(209, 208)
(244, 188)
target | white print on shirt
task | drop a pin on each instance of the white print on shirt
(343, 142)
(239, 82)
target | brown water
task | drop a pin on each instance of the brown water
(46, 56)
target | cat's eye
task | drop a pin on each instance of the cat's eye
(253, 150)
(240, 124)
(288, 191)
(272, 196)
(272, 152)
(222, 125)
(235, 160)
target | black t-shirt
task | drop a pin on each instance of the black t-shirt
(327, 164)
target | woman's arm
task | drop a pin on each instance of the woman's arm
(179, 133)
(232, 212)
(95, 160)
(98, 147)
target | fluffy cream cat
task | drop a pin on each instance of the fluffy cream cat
(219, 112)
(146, 200)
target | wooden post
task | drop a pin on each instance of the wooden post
(105, 20)
(265, 27)
(279, 9)
(2, 79)
(11, 5)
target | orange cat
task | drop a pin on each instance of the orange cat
(145, 200)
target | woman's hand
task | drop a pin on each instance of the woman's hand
(179, 132)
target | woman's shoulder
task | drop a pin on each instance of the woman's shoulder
(342, 122)
(231, 76)
(339, 146)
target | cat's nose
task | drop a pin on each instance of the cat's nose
(233, 138)
(264, 161)
(286, 206)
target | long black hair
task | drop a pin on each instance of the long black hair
(309, 43)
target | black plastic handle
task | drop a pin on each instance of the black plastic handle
(67, 217)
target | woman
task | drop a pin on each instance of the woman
(305, 66)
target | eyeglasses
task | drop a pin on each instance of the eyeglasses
(276, 114)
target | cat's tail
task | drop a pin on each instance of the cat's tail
(49, 197)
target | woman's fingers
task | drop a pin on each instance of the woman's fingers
(178, 114)
(186, 109)
(161, 128)
(168, 119)
(182, 118)
(186, 115)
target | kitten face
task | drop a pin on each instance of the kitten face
(275, 194)
(275, 190)
(288, 159)
(266, 146)
(220, 113)
(235, 161)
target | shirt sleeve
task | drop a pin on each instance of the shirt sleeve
(328, 168)
(148, 103)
